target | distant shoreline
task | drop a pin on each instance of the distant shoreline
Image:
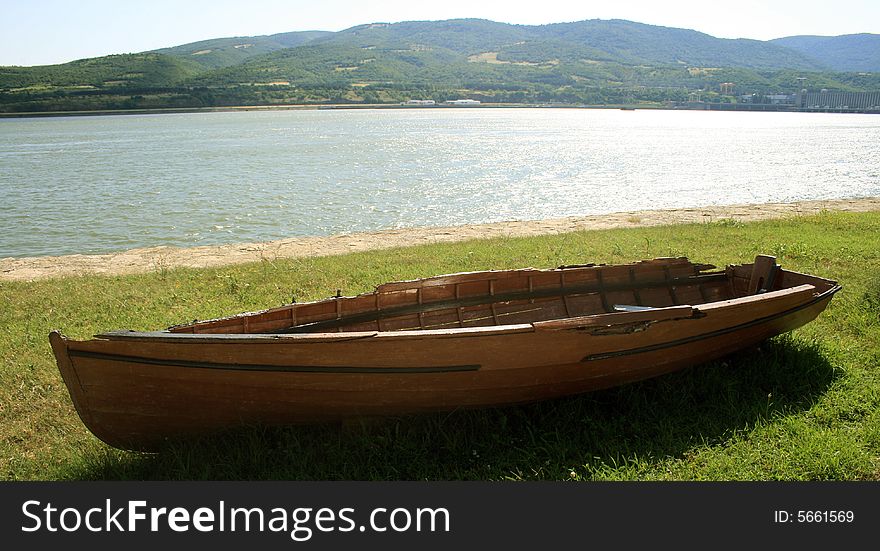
(161, 258)
(290, 107)
(749, 108)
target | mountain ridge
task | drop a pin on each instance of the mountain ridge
(848, 52)
(225, 51)
(592, 61)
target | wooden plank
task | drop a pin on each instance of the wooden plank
(601, 290)
(763, 272)
(568, 312)
(617, 318)
(634, 281)
(671, 286)
(767, 300)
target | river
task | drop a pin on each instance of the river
(97, 184)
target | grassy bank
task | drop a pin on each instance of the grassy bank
(803, 406)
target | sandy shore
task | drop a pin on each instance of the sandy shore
(158, 258)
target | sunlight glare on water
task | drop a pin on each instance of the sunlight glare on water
(102, 184)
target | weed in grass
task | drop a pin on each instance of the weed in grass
(790, 251)
(161, 268)
(726, 223)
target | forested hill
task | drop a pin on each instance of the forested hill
(849, 52)
(223, 52)
(595, 62)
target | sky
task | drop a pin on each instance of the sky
(42, 32)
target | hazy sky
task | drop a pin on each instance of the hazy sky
(39, 32)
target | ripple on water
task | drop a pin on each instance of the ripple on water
(102, 184)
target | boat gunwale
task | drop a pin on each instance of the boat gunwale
(611, 319)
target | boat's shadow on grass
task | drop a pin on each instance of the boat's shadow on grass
(614, 432)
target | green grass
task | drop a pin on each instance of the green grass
(802, 406)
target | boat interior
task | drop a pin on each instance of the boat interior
(506, 297)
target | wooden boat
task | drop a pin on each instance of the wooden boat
(454, 341)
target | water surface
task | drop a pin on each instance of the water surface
(102, 184)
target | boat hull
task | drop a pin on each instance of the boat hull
(137, 390)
